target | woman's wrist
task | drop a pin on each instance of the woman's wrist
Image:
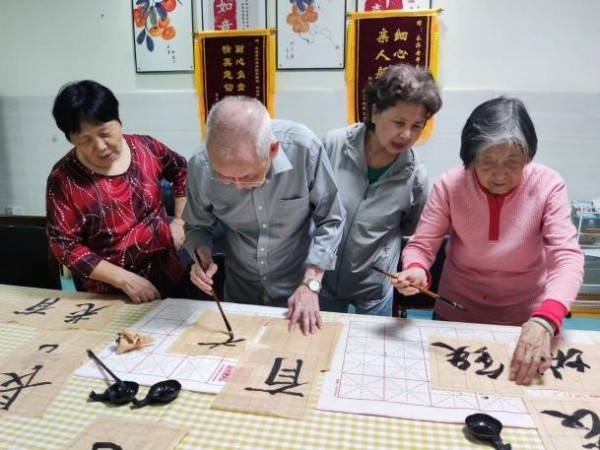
(546, 324)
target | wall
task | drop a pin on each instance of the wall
(539, 50)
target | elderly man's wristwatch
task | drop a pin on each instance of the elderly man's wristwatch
(313, 284)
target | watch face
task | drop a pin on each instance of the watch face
(314, 285)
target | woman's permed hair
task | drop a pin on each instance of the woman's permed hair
(500, 121)
(84, 102)
(402, 83)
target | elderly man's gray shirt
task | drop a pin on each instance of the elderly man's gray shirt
(274, 231)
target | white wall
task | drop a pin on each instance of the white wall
(542, 51)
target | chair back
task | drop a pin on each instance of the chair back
(25, 258)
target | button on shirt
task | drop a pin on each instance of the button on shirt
(274, 231)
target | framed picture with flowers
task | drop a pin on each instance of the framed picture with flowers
(162, 35)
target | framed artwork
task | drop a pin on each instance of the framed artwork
(311, 34)
(222, 15)
(162, 33)
(382, 5)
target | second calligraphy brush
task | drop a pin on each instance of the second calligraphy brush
(424, 291)
(216, 299)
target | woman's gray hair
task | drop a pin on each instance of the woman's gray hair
(236, 119)
(498, 121)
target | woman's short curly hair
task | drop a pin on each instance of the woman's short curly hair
(402, 83)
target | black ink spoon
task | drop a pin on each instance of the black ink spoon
(116, 393)
(120, 392)
(162, 392)
(486, 428)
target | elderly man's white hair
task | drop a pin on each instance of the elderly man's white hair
(236, 119)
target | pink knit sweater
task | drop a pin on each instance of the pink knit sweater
(508, 257)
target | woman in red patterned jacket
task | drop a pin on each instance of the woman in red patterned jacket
(106, 220)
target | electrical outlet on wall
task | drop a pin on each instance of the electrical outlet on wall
(14, 211)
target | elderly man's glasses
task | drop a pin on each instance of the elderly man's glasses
(250, 180)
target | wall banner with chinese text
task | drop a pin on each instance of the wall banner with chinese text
(236, 62)
(380, 39)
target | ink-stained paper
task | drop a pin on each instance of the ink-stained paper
(68, 310)
(208, 335)
(32, 376)
(575, 368)
(116, 433)
(272, 383)
(321, 344)
(567, 423)
(471, 366)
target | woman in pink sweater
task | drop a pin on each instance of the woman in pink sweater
(512, 256)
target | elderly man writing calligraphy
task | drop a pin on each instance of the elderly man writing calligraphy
(271, 185)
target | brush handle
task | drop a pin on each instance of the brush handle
(422, 290)
(92, 355)
(215, 297)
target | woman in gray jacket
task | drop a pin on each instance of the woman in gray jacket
(383, 186)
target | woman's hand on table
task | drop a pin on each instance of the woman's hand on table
(532, 355)
(138, 288)
(414, 275)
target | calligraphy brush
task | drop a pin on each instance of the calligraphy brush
(101, 364)
(216, 299)
(423, 290)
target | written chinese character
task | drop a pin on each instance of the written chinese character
(382, 54)
(106, 446)
(228, 343)
(227, 75)
(282, 379)
(400, 35)
(383, 36)
(223, 6)
(572, 359)
(88, 310)
(239, 48)
(575, 421)
(226, 49)
(459, 358)
(400, 54)
(227, 62)
(40, 308)
(15, 384)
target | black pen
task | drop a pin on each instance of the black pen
(423, 290)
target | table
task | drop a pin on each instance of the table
(70, 413)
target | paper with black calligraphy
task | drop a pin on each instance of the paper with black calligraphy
(208, 335)
(471, 365)
(575, 369)
(272, 383)
(321, 344)
(567, 423)
(32, 375)
(106, 433)
(60, 310)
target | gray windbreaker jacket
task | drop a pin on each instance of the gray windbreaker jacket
(377, 215)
